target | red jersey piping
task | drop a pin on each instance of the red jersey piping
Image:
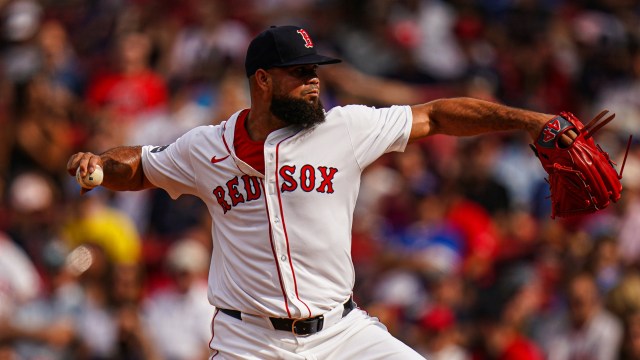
(284, 226)
(213, 333)
(273, 251)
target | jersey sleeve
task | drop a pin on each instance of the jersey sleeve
(376, 131)
(170, 167)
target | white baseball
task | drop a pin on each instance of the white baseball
(91, 180)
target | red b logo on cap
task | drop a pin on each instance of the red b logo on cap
(307, 39)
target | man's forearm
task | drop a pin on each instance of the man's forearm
(122, 167)
(467, 116)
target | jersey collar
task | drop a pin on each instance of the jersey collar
(228, 134)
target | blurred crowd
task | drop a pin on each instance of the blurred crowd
(453, 244)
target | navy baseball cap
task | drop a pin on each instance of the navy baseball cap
(281, 46)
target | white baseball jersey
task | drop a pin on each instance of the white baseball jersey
(282, 240)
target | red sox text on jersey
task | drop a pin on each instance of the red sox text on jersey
(247, 188)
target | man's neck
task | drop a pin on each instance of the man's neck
(260, 125)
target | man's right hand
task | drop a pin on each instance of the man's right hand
(86, 163)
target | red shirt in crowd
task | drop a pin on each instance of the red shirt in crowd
(128, 95)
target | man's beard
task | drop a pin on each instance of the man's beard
(294, 111)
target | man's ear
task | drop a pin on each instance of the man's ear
(263, 79)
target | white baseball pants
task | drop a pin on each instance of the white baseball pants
(356, 336)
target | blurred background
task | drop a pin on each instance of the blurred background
(453, 243)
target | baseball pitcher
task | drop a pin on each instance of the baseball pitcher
(281, 179)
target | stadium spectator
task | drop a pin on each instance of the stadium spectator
(588, 330)
(178, 317)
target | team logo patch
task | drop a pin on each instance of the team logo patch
(307, 39)
(158, 149)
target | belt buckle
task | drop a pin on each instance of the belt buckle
(319, 321)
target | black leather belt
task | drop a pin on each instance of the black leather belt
(299, 327)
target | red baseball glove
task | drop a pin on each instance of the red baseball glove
(582, 177)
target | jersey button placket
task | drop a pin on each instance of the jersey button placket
(288, 270)
(270, 170)
(279, 237)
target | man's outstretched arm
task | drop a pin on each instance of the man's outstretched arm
(122, 168)
(582, 177)
(468, 116)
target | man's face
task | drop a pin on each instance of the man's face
(583, 299)
(296, 95)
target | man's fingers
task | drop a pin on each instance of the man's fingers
(72, 164)
(567, 138)
(85, 162)
(94, 161)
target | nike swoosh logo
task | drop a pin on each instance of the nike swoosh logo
(214, 160)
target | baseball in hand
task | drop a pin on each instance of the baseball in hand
(91, 180)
